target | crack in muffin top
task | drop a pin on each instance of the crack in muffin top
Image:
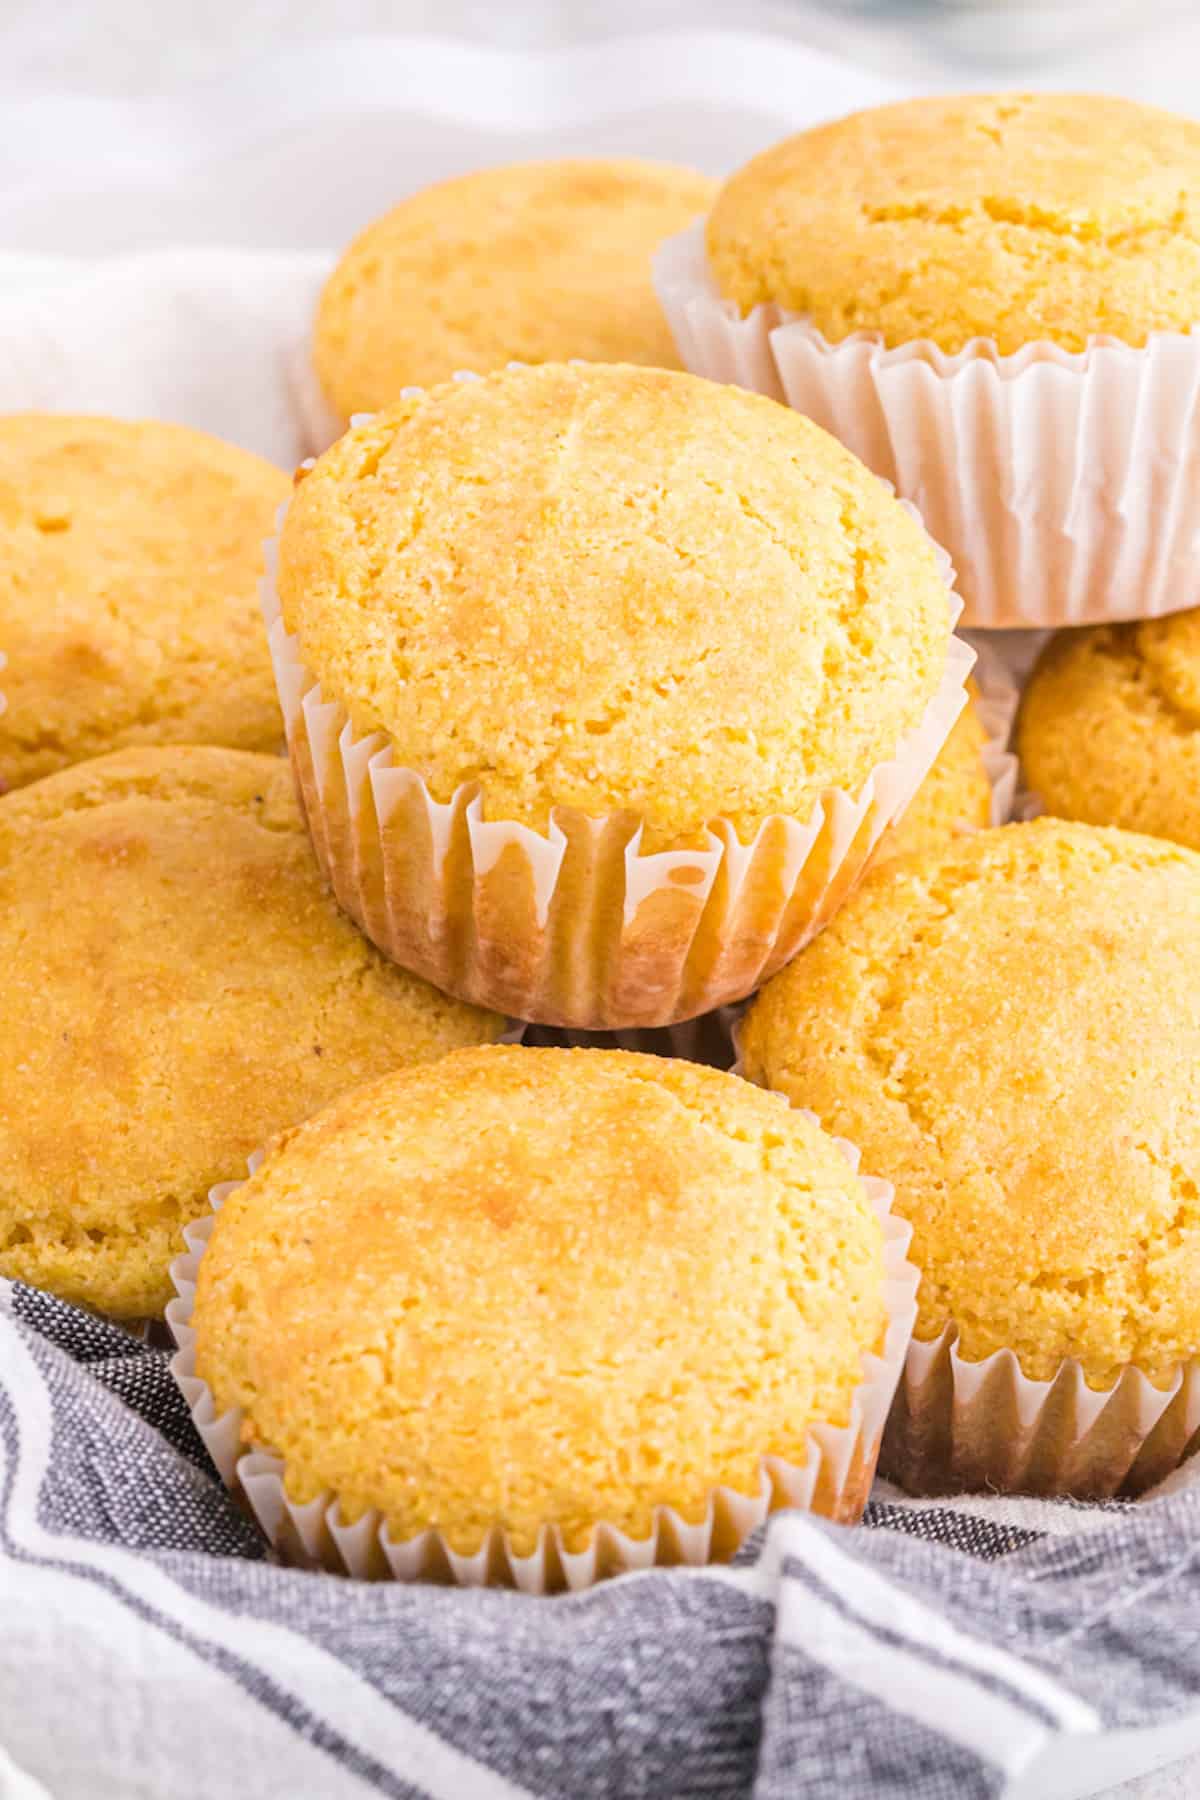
(1014, 217)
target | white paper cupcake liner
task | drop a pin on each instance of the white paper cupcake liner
(710, 1038)
(576, 926)
(834, 1480)
(1065, 485)
(999, 697)
(962, 1427)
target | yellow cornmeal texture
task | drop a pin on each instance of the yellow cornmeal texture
(1015, 217)
(541, 1287)
(175, 987)
(129, 564)
(955, 796)
(535, 262)
(1010, 1031)
(614, 589)
(1109, 728)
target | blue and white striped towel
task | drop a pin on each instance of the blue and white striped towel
(147, 1648)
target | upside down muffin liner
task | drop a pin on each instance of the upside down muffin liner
(961, 1427)
(576, 926)
(1064, 484)
(833, 1481)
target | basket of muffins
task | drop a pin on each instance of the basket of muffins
(589, 1009)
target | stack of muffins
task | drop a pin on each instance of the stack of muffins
(623, 701)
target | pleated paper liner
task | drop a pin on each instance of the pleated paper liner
(965, 1427)
(999, 697)
(710, 1038)
(1065, 485)
(833, 1481)
(576, 926)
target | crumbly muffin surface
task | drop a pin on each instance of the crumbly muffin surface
(130, 555)
(615, 589)
(523, 1287)
(175, 987)
(1109, 728)
(1014, 217)
(532, 262)
(1010, 1030)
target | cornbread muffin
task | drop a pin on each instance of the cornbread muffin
(525, 1288)
(536, 262)
(955, 796)
(1109, 728)
(538, 632)
(612, 589)
(1009, 1028)
(175, 986)
(129, 565)
(1013, 217)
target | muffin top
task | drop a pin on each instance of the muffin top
(524, 1287)
(1109, 728)
(175, 987)
(614, 589)
(1014, 217)
(129, 565)
(955, 796)
(535, 262)
(1010, 1030)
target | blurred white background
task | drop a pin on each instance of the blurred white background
(1149, 48)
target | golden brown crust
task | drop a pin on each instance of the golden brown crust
(1010, 1030)
(534, 262)
(615, 590)
(527, 1287)
(129, 565)
(175, 986)
(1109, 728)
(1014, 217)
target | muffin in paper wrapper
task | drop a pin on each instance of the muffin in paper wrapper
(710, 1038)
(1065, 485)
(964, 1427)
(576, 926)
(834, 1480)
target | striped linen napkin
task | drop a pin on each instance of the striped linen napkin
(148, 1647)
